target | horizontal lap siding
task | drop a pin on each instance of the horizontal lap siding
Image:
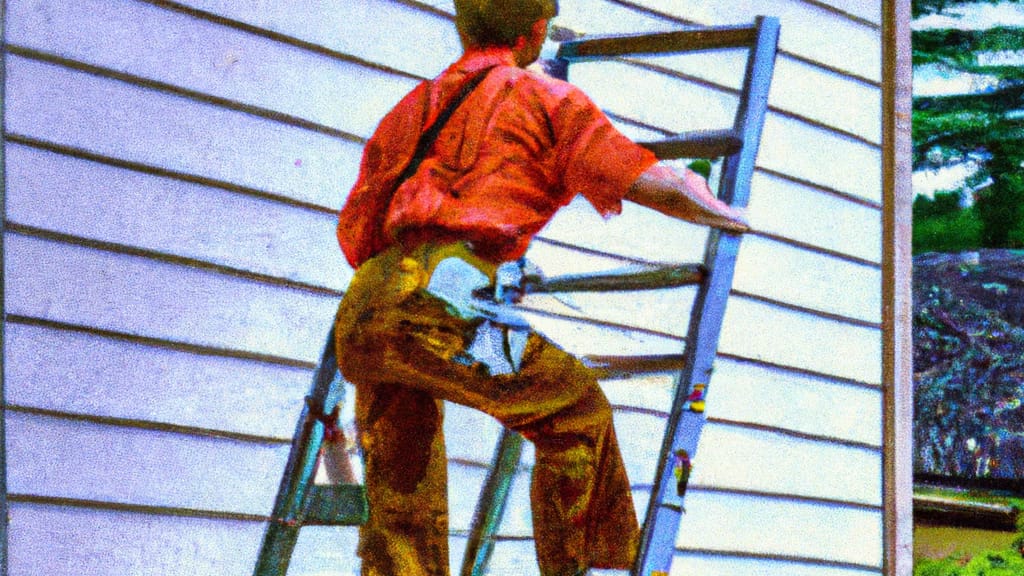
(123, 378)
(731, 566)
(853, 229)
(119, 379)
(809, 153)
(62, 458)
(742, 524)
(868, 10)
(207, 58)
(841, 102)
(111, 118)
(769, 463)
(791, 400)
(726, 565)
(95, 201)
(170, 260)
(63, 540)
(150, 298)
(364, 29)
(172, 273)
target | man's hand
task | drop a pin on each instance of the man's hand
(685, 196)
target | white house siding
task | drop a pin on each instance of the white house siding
(172, 173)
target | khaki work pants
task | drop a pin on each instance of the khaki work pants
(405, 353)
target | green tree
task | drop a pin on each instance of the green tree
(924, 7)
(947, 129)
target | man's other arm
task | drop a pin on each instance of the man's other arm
(685, 196)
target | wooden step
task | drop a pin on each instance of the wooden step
(698, 144)
(659, 43)
(625, 366)
(643, 279)
(336, 505)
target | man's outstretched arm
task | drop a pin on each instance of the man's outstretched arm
(685, 196)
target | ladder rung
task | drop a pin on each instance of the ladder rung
(659, 43)
(336, 505)
(621, 366)
(651, 279)
(698, 144)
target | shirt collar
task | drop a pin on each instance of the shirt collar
(478, 58)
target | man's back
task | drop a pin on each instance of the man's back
(519, 148)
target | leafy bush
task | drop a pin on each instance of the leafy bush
(944, 204)
(967, 388)
(999, 209)
(939, 230)
(1017, 235)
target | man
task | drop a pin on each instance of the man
(520, 146)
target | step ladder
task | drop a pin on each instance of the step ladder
(300, 502)
(343, 502)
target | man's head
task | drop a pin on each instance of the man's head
(500, 22)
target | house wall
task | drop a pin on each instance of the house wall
(173, 170)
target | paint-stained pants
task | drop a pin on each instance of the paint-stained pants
(405, 353)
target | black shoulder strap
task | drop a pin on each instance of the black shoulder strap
(429, 135)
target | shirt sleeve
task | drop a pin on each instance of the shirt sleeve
(594, 158)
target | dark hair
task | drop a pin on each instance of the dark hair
(500, 22)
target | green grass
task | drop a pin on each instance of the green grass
(942, 542)
(980, 496)
(990, 563)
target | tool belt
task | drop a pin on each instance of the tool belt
(470, 287)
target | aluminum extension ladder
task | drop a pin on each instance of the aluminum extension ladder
(300, 502)
(738, 146)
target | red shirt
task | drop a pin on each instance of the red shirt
(517, 149)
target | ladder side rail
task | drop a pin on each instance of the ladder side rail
(665, 507)
(327, 388)
(751, 113)
(491, 505)
(297, 481)
(687, 418)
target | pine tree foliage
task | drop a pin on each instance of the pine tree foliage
(957, 47)
(988, 126)
(920, 8)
